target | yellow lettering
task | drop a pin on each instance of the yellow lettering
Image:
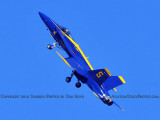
(99, 74)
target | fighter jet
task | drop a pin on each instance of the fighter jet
(99, 81)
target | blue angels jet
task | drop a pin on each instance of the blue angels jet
(99, 81)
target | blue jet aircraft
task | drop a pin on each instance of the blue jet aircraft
(99, 81)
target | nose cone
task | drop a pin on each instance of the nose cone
(44, 17)
(48, 22)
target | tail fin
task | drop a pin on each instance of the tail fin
(103, 78)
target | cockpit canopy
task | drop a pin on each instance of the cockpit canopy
(65, 30)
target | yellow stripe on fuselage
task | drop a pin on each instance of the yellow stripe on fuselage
(51, 35)
(64, 60)
(121, 78)
(96, 94)
(77, 46)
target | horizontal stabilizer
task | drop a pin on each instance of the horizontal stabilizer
(113, 82)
